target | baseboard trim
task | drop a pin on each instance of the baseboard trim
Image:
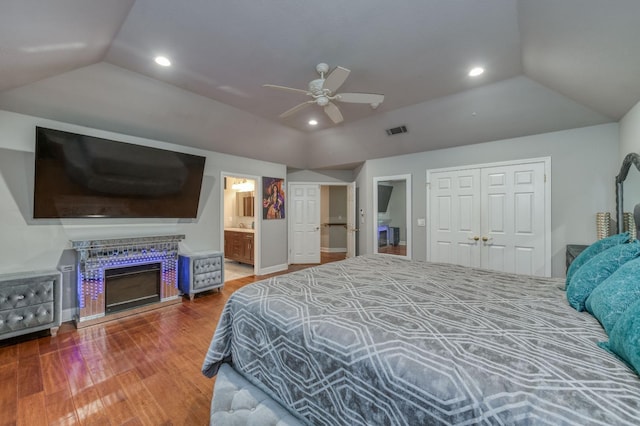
(272, 269)
(68, 314)
(333, 249)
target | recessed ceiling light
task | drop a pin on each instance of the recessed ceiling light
(476, 71)
(313, 122)
(162, 60)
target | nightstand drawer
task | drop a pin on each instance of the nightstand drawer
(207, 264)
(26, 317)
(26, 294)
(207, 280)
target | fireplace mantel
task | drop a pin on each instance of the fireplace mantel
(97, 255)
(117, 242)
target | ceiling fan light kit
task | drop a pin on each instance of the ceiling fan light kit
(323, 91)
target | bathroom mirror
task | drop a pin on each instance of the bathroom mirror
(392, 208)
(627, 189)
(245, 203)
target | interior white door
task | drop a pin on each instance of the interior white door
(454, 215)
(513, 218)
(304, 206)
(494, 217)
(352, 227)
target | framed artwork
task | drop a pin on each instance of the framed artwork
(272, 198)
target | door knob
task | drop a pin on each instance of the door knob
(475, 238)
(485, 239)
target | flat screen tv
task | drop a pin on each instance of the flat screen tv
(384, 195)
(79, 176)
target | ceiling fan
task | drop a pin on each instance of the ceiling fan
(323, 91)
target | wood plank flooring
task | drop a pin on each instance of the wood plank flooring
(138, 370)
(390, 249)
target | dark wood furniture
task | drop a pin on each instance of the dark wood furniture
(573, 250)
(238, 246)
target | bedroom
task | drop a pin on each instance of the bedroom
(586, 145)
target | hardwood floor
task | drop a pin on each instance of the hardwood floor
(138, 370)
(390, 249)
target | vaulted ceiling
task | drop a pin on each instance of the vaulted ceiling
(550, 65)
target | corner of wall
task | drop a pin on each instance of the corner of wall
(630, 132)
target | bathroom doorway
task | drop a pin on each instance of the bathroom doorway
(240, 224)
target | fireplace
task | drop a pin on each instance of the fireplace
(131, 286)
(116, 277)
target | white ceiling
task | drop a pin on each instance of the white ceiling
(551, 65)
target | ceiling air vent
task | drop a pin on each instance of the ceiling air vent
(396, 130)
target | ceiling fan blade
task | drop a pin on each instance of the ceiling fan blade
(335, 79)
(360, 98)
(295, 109)
(333, 112)
(291, 89)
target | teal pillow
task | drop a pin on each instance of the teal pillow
(615, 294)
(597, 269)
(595, 248)
(624, 339)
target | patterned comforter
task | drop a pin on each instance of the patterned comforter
(377, 340)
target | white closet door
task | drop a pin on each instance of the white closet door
(454, 215)
(513, 218)
(503, 205)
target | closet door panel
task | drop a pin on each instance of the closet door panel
(454, 217)
(491, 216)
(495, 257)
(516, 222)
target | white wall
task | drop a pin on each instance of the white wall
(320, 176)
(104, 96)
(584, 163)
(325, 241)
(498, 111)
(30, 244)
(630, 132)
(337, 205)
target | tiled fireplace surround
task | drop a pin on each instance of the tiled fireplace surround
(96, 256)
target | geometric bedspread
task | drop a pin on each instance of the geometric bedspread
(377, 340)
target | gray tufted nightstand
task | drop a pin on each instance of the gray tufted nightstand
(30, 302)
(200, 271)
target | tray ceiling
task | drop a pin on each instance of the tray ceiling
(580, 57)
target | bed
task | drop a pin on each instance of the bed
(381, 340)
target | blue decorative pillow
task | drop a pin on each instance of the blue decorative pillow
(595, 248)
(624, 339)
(615, 294)
(597, 269)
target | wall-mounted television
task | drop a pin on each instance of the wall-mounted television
(384, 195)
(79, 176)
